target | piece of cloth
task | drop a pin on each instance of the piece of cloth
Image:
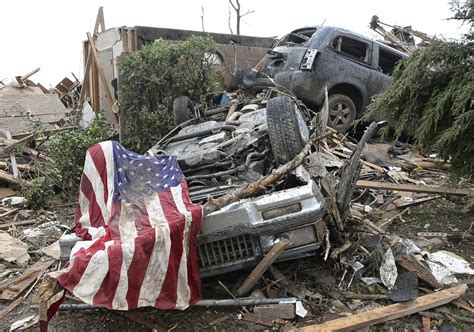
(139, 227)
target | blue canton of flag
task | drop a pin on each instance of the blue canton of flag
(137, 175)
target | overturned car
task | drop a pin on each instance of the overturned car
(226, 147)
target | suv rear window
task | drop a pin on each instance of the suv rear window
(387, 61)
(353, 48)
(297, 37)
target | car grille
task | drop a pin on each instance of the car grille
(226, 251)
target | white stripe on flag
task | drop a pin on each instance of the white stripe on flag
(158, 265)
(84, 220)
(97, 185)
(184, 293)
(120, 301)
(108, 147)
(127, 222)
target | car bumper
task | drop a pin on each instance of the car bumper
(238, 235)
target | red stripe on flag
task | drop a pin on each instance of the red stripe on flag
(144, 245)
(168, 294)
(194, 277)
(95, 214)
(70, 279)
(98, 158)
(104, 296)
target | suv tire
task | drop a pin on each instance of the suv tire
(283, 129)
(283, 79)
(183, 110)
(342, 112)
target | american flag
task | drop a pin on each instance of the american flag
(139, 229)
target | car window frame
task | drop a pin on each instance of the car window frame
(377, 57)
(369, 44)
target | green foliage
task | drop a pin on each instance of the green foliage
(154, 76)
(432, 98)
(38, 192)
(68, 149)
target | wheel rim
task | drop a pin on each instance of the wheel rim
(340, 115)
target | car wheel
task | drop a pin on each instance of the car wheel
(183, 110)
(342, 112)
(284, 128)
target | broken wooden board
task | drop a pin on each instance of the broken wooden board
(7, 192)
(390, 312)
(412, 265)
(11, 289)
(412, 188)
(10, 178)
(263, 266)
(257, 319)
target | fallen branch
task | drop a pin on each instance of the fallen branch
(264, 182)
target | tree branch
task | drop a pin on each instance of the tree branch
(264, 182)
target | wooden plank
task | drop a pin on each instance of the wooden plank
(19, 223)
(37, 154)
(390, 312)
(3, 215)
(416, 202)
(412, 265)
(366, 163)
(21, 167)
(412, 188)
(45, 132)
(103, 79)
(10, 178)
(262, 266)
(11, 289)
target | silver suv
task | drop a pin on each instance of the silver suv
(353, 67)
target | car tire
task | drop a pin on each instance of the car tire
(283, 129)
(262, 83)
(183, 110)
(283, 79)
(342, 112)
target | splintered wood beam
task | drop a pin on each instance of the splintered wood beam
(390, 312)
(263, 266)
(103, 79)
(413, 188)
(10, 178)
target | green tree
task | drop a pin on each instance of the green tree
(432, 98)
(154, 76)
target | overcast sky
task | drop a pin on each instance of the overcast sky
(48, 33)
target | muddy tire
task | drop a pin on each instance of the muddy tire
(283, 79)
(183, 110)
(283, 129)
(342, 112)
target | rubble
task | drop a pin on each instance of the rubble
(367, 262)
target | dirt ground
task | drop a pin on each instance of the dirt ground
(318, 277)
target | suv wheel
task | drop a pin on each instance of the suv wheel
(284, 128)
(342, 112)
(183, 110)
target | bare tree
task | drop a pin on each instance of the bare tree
(202, 17)
(236, 6)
